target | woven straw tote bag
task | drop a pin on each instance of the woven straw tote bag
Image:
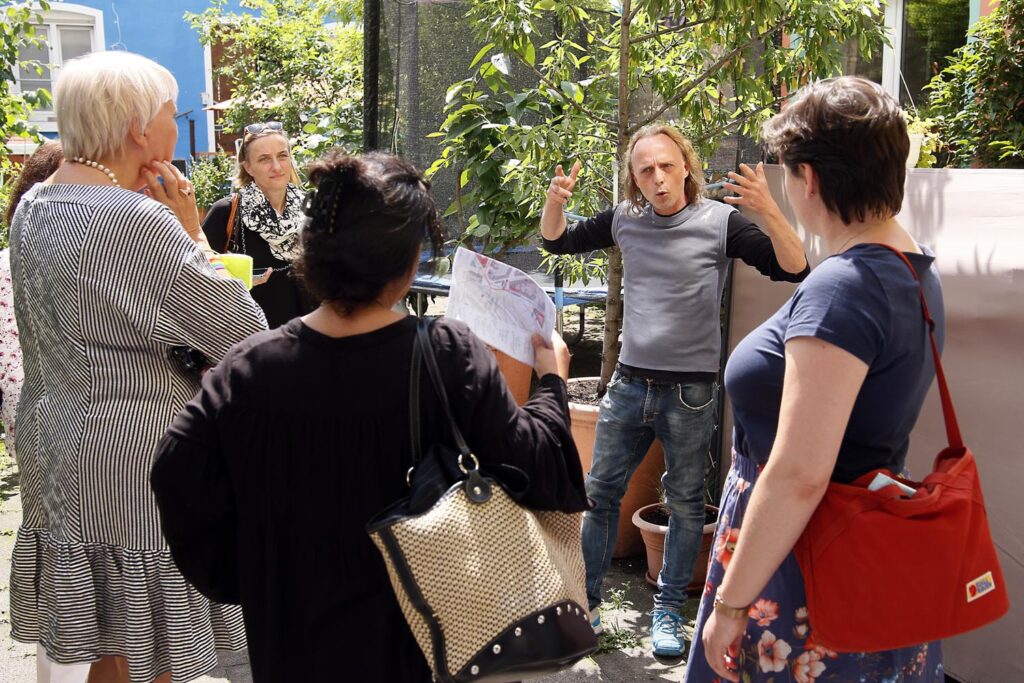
(492, 591)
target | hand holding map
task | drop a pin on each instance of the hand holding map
(501, 304)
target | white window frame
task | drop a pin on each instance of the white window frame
(62, 14)
(891, 54)
(892, 80)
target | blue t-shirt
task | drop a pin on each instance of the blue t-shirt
(866, 302)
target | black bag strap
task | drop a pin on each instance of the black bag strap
(427, 350)
(415, 370)
(422, 348)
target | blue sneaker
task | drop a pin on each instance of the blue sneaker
(595, 621)
(665, 628)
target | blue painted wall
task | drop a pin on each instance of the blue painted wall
(157, 29)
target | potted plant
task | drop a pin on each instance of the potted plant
(652, 523)
(924, 141)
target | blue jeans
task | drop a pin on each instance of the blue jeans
(633, 412)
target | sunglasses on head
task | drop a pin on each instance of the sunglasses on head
(257, 128)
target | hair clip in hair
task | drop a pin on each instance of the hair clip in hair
(321, 205)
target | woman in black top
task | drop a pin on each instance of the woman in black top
(266, 222)
(265, 482)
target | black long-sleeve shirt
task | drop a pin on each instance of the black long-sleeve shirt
(282, 297)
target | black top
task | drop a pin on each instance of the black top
(743, 240)
(282, 297)
(266, 481)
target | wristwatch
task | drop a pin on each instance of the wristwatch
(726, 611)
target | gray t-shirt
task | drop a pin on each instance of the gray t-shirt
(674, 274)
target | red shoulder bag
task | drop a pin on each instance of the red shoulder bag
(884, 570)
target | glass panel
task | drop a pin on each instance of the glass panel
(854, 63)
(932, 30)
(74, 42)
(28, 77)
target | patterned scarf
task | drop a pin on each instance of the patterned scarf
(280, 232)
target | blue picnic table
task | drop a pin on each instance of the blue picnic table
(427, 283)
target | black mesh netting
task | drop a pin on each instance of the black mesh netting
(424, 47)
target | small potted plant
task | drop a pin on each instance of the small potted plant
(924, 141)
(652, 521)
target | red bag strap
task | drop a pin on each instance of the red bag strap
(948, 413)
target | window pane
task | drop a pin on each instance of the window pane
(854, 63)
(28, 77)
(932, 30)
(74, 42)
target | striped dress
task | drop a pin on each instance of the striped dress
(105, 282)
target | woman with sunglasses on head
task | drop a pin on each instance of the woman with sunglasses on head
(263, 220)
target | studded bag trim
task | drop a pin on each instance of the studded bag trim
(492, 591)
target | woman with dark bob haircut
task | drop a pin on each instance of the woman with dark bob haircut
(827, 389)
(266, 481)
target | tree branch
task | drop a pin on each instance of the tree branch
(670, 29)
(741, 119)
(683, 90)
(602, 138)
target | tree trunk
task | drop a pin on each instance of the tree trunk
(613, 310)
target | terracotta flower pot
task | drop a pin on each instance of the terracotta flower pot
(518, 375)
(653, 534)
(643, 487)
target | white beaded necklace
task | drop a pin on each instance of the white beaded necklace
(98, 166)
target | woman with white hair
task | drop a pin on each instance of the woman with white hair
(108, 282)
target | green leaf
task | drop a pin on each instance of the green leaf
(530, 54)
(480, 55)
(453, 91)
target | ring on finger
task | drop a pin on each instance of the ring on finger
(187, 191)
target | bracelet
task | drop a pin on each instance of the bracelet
(726, 611)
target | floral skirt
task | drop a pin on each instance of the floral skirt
(779, 642)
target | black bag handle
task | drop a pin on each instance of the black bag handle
(416, 366)
(423, 349)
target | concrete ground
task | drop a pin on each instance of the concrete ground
(626, 656)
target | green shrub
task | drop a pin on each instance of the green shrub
(8, 175)
(211, 178)
(978, 100)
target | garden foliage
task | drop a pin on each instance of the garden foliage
(599, 70)
(977, 101)
(294, 61)
(17, 29)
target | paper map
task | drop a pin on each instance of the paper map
(501, 304)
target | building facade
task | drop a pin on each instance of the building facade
(157, 30)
